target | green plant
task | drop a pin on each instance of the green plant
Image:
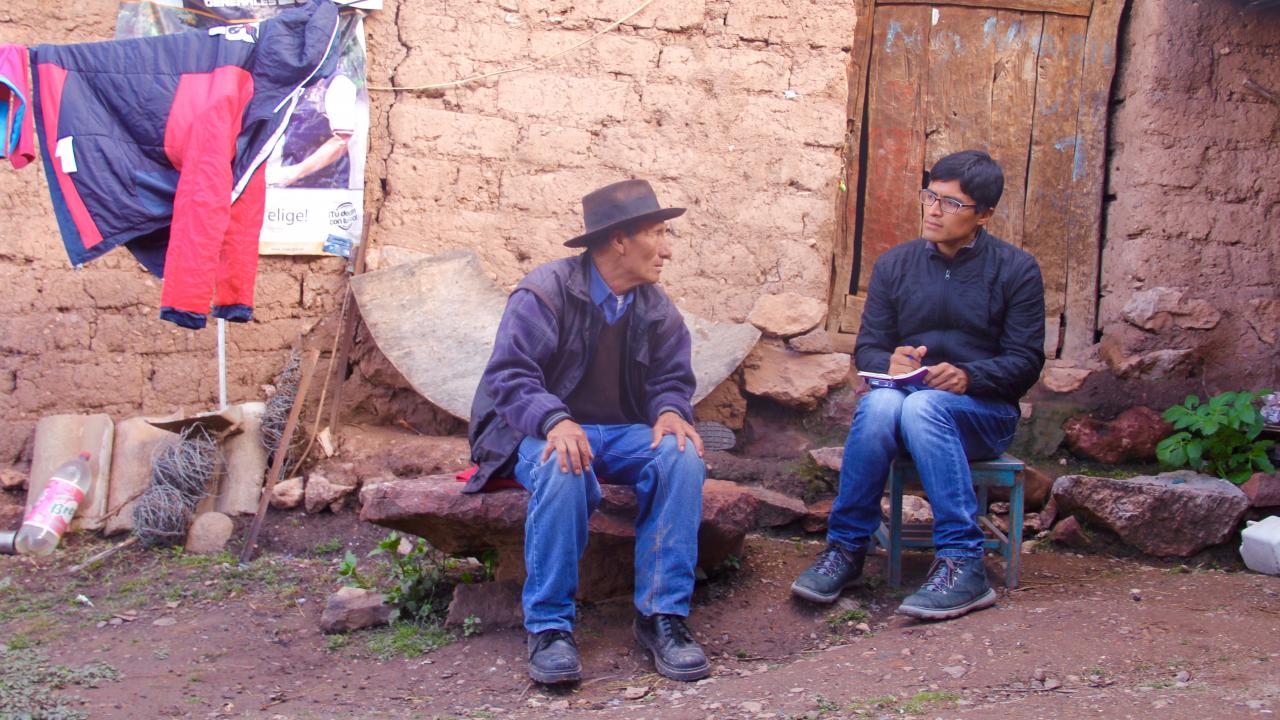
(847, 617)
(333, 544)
(471, 625)
(334, 643)
(407, 640)
(29, 685)
(414, 583)
(1219, 436)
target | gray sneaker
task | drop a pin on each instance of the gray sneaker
(955, 586)
(835, 569)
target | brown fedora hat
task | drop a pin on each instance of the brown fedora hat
(613, 206)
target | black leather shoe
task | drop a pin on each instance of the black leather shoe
(553, 657)
(675, 653)
(835, 569)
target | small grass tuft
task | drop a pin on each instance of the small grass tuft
(407, 640)
(30, 686)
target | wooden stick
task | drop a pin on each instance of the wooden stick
(348, 331)
(102, 555)
(282, 450)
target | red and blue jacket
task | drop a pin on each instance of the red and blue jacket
(158, 144)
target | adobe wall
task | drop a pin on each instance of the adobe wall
(1191, 266)
(733, 109)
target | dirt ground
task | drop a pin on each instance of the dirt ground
(186, 636)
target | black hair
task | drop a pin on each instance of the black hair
(980, 176)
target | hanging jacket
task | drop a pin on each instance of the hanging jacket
(157, 144)
(16, 140)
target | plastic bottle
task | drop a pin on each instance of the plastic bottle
(49, 517)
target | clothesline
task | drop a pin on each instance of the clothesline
(474, 78)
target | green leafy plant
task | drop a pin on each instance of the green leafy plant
(471, 626)
(413, 583)
(1219, 436)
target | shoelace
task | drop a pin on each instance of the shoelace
(550, 636)
(830, 562)
(943, 575)
(673, 625)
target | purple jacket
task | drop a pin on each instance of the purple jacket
(544, 342)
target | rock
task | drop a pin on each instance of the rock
(1263, 489)
(494, 604)
(1071, 533)
(751, 706)
(11, 479)
(814, 341)
(435, 508)
(828, 457)
(379, 451)
(209, 533)
(1177, 513)
(1157, 308)
(1052, 684)
(955, 671)
(815, 518)
(320, 492)
(915, 510)
(1064, 379)
(791, 378)
(60, 438)
(634, 693)
(287, 494)
(773, 508)
(787, 314)
(136, 441)
(241, 486)
(1131, 437)
(1182, 676)
(1152, 365)
(1037, 488)
(353, 608)
(725, 405)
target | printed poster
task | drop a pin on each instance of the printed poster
(315, 175)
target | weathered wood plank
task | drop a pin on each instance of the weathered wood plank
(958, 107)
(1079, 8)
(852, 318)
(1085, 210)
(848, 201)
(895, 132)
(1053, 139)
(1013, 93)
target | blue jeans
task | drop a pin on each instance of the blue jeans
(668, 485)
(942, 432)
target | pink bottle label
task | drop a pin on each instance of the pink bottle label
(56, 506)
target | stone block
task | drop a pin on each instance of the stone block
(495, 605)
(787, 314)
(352, 609)
(725, 405)
(136, 441)
(209, 533)
(1263, 490)
(287, 494)
(246, 464)
(1131, 437)
(790, 378)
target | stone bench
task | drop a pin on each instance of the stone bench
(435, 508)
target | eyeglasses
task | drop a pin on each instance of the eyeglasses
(950, 206)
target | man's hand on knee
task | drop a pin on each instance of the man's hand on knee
(945, 376)
(568, 440)
(670, 423)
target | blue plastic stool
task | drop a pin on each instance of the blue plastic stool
(1005, 471)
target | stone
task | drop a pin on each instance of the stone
(494, 604)
(287, 494)
(1071, 533)
(793, 379)
(915, 510)
(1131, 437)
(370, 452)
(1037, 488)
(60, 438)
(209, 533)
(246, 464)
(635, 693)
(774, 509)
(1172, 514)
(955, 671)
(814, 341)
(787, 314)
(320, 492)
(725, 405)
(815, 518)
(11, 479)
(354, 608)
(1064, 379)
(136, 441)
(831, 458)
(1263, 489)
(1157, 308)
(436, 509)
(1152, 365)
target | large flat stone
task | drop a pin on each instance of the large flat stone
(60, 438)
(1177, 513)
(435, 508)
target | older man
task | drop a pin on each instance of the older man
(590, 379)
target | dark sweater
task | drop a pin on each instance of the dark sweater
(982, 311)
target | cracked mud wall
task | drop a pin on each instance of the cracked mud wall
(732, 109)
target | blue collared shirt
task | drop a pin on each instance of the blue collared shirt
(612, 305)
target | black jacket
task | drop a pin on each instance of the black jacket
(982, 311)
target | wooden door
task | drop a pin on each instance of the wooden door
(1026, 80)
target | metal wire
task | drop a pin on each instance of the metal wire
(181, 474)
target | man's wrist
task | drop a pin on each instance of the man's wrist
(552, 420)
(672, 409)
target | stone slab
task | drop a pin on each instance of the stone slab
(60, 438)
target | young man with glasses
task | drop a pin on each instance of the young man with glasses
(970, 308)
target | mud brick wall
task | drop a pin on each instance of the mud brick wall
(1191, 265)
